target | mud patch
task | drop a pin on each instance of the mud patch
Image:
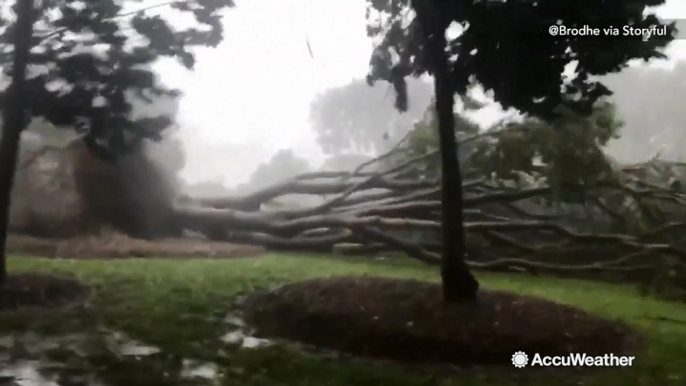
(406, 321)
(41, 290)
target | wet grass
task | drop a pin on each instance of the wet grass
(180, 306)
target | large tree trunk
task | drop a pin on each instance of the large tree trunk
(15, 120)
(458, 282)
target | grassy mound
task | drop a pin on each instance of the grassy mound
(406, 320)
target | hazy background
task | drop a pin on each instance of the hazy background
(250, 98)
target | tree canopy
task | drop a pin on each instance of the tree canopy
(91, 59)
(568, 151)
(40, 128)
(504, 48)
(359, 119)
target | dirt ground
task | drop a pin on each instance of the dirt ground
(44, 291)
(119, 247)
(407, 321)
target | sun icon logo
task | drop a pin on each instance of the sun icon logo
(520, 359)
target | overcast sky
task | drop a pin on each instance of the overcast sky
(250, 96)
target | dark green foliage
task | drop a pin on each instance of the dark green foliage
(504, 48)
(568, 151)
(90, 60)
(423, 138)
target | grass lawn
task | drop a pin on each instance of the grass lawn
(181, 306)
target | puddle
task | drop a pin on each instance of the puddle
(31, 359)
(32, 373)
(242, 339)
(136, 349)
(25, 373)
(196, 369)
(122, 344)
(24, 358)
(234, 321)
(235, 337)
(242, 335)
(251, 342)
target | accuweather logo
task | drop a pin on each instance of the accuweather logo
(521, 360)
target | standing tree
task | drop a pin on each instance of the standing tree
(90, 60)
(358, 119)
(502, 47)
(14, 118)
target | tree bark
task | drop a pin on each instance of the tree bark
(15, 120)
(458, 282)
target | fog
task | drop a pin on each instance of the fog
(250, 99)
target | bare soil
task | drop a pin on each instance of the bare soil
(118, 247)
(39, 290)
(406, 321)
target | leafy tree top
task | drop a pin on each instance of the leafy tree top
(503, 47)
(91, 59)
(561, 153)
(359, 118)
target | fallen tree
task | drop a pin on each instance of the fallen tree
(629, 225)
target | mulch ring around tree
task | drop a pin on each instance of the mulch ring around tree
(42, 291)
(406, 321)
